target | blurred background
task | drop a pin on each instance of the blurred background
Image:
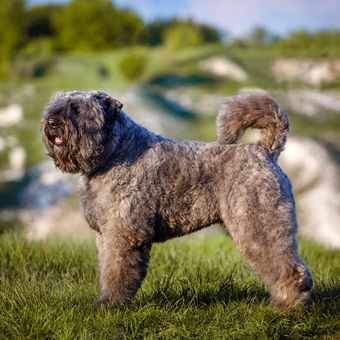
(171, 63)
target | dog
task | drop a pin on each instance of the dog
(137, 188)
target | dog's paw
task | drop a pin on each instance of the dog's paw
(98, 302)
(110, 301)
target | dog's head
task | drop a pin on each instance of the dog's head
(78, 129)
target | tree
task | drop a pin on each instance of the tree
(155, 32)
(12, 25)
(260, 36)
(40, 21)
(210, 34)
(182, 35)
(92, 25)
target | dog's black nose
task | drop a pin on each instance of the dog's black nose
(53, 123)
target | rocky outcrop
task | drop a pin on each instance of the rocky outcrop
(309, 71)
(223, 67)
(11, 115)
(310, 102)
(316, 180)
(14, 169)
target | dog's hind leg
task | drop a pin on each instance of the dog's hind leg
(267, 240)
(122, 269)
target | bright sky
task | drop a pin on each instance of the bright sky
(239, 16)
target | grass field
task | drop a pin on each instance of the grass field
(195, 288)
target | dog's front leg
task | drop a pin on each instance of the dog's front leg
(122, 269)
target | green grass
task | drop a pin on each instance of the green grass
(194, 289)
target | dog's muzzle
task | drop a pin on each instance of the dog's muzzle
(54, 131)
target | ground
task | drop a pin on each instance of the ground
(195, 288)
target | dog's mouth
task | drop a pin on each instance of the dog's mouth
(56, 137)
(58, 140)
(55, 132)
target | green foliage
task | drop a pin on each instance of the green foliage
(40, 21)
(96, 25)
(133, 65)
(182, 35)
(30, 66)
(92, 25)
(155, 32)
(34, 60)
(210, 34)
(258, 37)
(46, 289)
(12, 25)
(319, 43)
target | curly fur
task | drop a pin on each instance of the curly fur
(138, 188)
(255, 111)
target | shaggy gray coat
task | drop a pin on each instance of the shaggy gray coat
(138, 188)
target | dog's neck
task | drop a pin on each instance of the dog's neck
(130, 141)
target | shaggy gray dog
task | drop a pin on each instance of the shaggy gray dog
(138, 188)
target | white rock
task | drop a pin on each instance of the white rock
(58, 221)
(309, 71)
(223, 67)
(16, 170)
(17, 157)
(316, 180)
(47, 187)
(197, 102)
(203, 104)
(310, 102)
(11, 115)
(258, 90)
(149, 114)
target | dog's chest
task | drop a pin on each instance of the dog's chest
(94, 203)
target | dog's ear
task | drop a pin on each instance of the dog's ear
(117, 105)
(108, 103)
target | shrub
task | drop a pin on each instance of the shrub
(12, 23)
(132, 66)
(78, 28)
(155, 32)
(35, 60)
(31, 66)
(183, 35)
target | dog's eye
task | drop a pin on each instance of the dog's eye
(53, 123)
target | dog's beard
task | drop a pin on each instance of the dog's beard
(54, 131)
(75, 149)
(78, 131)
(61, 143)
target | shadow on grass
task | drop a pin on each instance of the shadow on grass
(198, 292)
(326, 296)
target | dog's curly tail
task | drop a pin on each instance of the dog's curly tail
(257, 111)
